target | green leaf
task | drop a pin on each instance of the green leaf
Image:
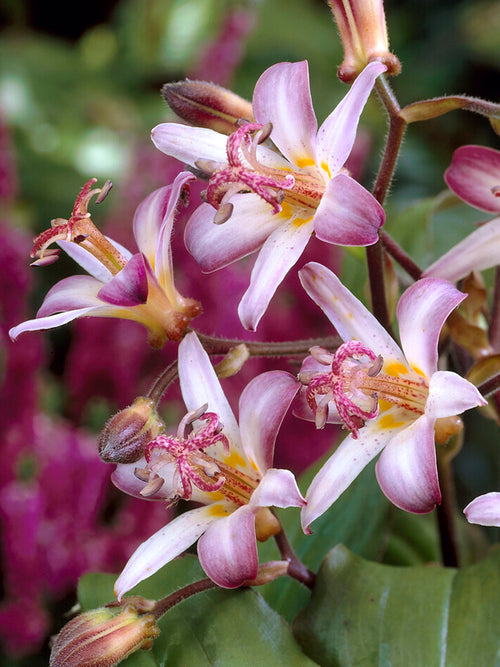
(364, 613)
(217, 627)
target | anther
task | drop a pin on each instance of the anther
(104, 192)
(208, 167)
(264, 133)
(376, 367)
(223, 214)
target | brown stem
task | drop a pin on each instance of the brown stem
(490, 386)
(296, 567)
(445, 513)
(163, 380)
(265, 349)
(162, 606)
(495, 314)
(398, 254)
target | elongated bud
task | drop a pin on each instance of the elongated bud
(204, 104)
(103, 637)
(127, 433)
(363, 33)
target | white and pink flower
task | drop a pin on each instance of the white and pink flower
(389, 398)
(225, 467)
(273, 200)
(137, 287)
(484, 510)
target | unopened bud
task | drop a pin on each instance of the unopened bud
(363, 33)
(269, 572)
(204, 104)
(266, 524)
(446, 427)
(127, 433)
(103, 637)
(233, 361)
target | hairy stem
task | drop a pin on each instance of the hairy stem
(398, 254)
(445, 513)
(162, 606)
(296, 567)
(291, 348)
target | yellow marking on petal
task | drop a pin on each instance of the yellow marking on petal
(216, 495)
(388, 421)
(298, 222)
(235, 460)
(326, 168)
(418, 371)
(383, 406)
(286, 210)
(395, 369)
(305, 162)
(217, 510)
(253, 465)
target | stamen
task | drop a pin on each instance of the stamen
(224, 213)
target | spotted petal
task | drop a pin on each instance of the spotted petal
(228, 550)
(406, 469)
(168, 543)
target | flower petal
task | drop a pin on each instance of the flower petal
(168, 543)
(263, 405)
(475, 252)
(277, 488)
(189, 144)
(484, 510)
(200, 385)
(450, 394)
(407, 471)
(50, 322)
(345, 464)
(130, 285)
(422, 311)
(337, 134)
(348, 315)
(473, 174)
(348, 214)
(282, 97)
(71, 293)
(228, 550)
(215, 246)
(278, 254)
(90, 263)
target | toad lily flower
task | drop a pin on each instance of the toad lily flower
(225, 467)
(474, 176)
(484, 510)
(136, 287)
(273, 200)
(390, 399)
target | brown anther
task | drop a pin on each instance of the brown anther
(376, 367)
(495, 190)
(104, 192)
(142, 474)
(208, 167)
(49, 257)
(224, 213)
(153, 486)
(320, 354)
(242, 121)
(264, 133)
(203, 195)
(80, 238)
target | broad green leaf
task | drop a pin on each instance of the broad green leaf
(217, 627)
(364, 613)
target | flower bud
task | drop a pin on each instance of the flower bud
(103, 638)
(205, 104)
(363, 33)
(127, 433)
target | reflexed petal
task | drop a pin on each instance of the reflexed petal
(484, 510)
(336, 135)
(348, 315)
(189, 144)
(148, 218)
(348, 214)
(277, 488)
(263, 405)
(475, 252)
(200, 385)
(407, 471)
(163, 258)
(130, 285)
(71, 293)
(450, 394)
(278, 254)
(215, 246)
(228, 550)
(282, 96)
(169, 542)
(422, 311)
(50, 322)
(341, 469)
(90, 263)
(473, 172)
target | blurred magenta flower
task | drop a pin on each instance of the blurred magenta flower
(273, 201)
(137, 287)
(389, 398)
(474, 176)
(224, 466)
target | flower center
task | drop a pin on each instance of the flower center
(193, 466)
(245, 173)
(356, 385)
(81, 230)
